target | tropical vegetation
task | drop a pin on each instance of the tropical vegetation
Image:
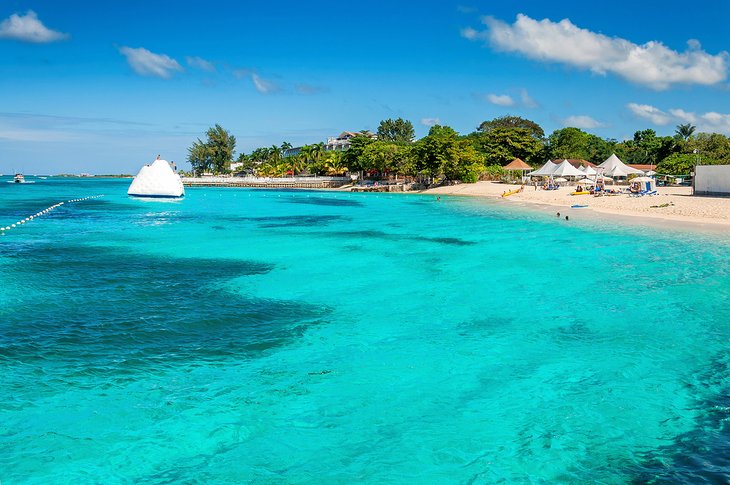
(445, 154)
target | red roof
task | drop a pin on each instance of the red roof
(641, 166)
(577, 162)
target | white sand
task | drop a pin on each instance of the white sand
(684, 209)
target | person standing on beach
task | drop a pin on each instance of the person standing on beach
(535, 184)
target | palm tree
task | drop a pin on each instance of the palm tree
(307, 153)
(274, 154)
(335, 164)
(317, 151)
(265, 170)
(685, 131)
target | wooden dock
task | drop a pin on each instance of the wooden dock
(268, 183)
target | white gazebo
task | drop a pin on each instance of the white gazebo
(517, 165)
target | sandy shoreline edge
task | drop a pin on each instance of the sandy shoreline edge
(679, 209)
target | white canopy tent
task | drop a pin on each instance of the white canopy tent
(614, 167)
(588, 170)
(565, 169)
(544, 171)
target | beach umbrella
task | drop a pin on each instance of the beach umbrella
(561, 179)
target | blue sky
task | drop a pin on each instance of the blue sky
(103, 87)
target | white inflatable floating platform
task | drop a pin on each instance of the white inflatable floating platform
(157, 179)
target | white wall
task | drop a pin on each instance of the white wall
(712, 180)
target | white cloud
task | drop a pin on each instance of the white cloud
(430, 121)
(710, 122)
(714, 122)
(148, 63)
(264, 86)
(651, 64)
(200, 63)
(469, 33)
(647, 112)
(500, 99)
(527, 100)
(582, 121)
(683, 115)
(27, 28)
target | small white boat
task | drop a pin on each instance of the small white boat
(20, 179)
(157, 179)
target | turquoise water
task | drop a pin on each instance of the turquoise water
(300, 337)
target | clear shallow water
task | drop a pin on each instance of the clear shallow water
(269, 336)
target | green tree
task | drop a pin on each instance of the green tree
(396, 131)
(502, 145)
(685, 131)
(647, 148)
(199, 157)
(246, 161)
(509, 122)
(568, 142)
(677, 164)
(274, 154)
(221, 146)
(442, 152)
(353, 156)
(711, 147)
(381, 156)
(334, 163)
(259, 155)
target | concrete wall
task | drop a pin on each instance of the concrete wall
(712, 180)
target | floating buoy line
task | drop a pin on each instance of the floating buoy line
(4, 229)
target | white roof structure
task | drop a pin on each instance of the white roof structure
(565, 169)
(588, 170)
(157, 180)
(545, 170)
(614, 167)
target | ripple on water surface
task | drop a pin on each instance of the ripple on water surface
(244, 336)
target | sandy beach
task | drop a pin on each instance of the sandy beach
(677, 207)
